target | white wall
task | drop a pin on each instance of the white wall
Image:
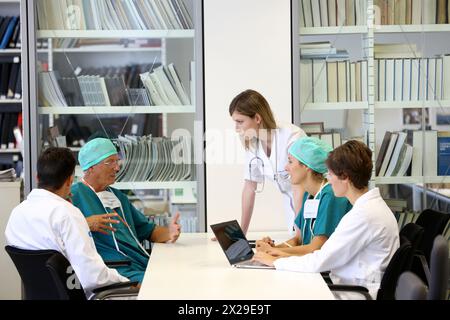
(247, 45)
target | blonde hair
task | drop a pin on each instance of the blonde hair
(249, 103)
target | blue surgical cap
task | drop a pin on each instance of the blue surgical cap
(312, 152)
(95, 151)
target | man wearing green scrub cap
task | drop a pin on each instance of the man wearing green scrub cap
(93, 195)
(321, 210)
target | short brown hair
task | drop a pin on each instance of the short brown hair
(352, 160)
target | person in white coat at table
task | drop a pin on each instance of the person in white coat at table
(365, 239)
(46, 220)
(266, 145)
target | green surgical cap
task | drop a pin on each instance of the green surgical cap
(312, 152)
(95, 151)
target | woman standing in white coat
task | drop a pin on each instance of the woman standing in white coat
(365, 239)
(266, 145)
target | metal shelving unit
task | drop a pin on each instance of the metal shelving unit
(366, 34)
(171, 116)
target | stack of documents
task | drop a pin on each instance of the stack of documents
(150, 158)
(8, 175)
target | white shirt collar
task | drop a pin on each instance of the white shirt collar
(369, 195)
(38, 193)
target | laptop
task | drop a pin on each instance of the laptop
(235, 246)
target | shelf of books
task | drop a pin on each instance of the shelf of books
(336, 106)
(412, 28)
(311, 31)
(155, 185)
(129, 71)
(10, 87)
(412, 104)
(105, 34)
(412, 180)
(117, 110)
(371, 66)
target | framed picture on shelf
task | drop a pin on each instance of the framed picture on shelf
(312, 127)
(413, 116)
(443, 117)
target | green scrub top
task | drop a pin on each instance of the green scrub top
(89, 204)
(330, 212)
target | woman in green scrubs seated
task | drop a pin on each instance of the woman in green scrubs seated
(321, 210)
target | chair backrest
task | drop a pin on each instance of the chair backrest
(38, 280)
(433, 223)
(439, 269)
(414, 233)
(410, 287)
(400, 262)
(66, 282)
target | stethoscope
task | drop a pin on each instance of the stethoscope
(124, 220)
(280, 177)
(312, 221)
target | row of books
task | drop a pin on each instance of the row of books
(335, 81)
(401, 12)
(113, 15)
(165, 87)
(8, 122)
(65, 43)
(162, 87)
(321, 50)
(401, 154)
(11, 78)
(412, 79)
(8, 175)
(150, 158)
(329, 13)
(9, 32)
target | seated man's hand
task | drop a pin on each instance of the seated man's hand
(174, 228)
(101, 222)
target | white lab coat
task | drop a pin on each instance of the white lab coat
(283, 137)
(45, 221)
(360, 248)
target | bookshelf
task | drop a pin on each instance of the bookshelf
(122, 88)
(369, 119)
(117, 110)
(13, 70)
(105, 34)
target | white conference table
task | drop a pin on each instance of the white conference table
(195, 268)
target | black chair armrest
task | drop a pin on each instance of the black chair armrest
(116, 293)
(118, 263)
(119, 285)
(351, 288)
(326, 277)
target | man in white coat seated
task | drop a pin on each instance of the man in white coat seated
(365, 239)
(47, 221)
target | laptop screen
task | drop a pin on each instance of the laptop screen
(232, 240)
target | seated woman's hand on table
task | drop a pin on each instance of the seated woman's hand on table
(264, 258)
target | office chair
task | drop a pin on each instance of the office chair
(45, 276)
(414, 233)
(433, 223)
(411, 287)
(400, 262)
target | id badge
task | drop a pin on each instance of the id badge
(311, 208)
